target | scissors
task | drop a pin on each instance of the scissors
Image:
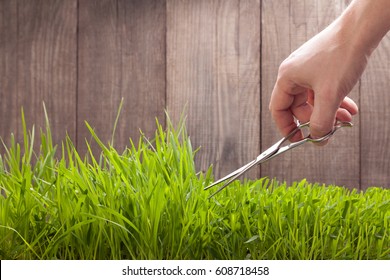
(275, 150)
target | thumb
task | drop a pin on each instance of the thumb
(323, 116)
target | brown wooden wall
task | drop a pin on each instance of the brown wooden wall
(217, 58)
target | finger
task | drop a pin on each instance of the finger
(324, 115)
(347, 109)
(343, 115)
(288, 124)
(302, 107)
(279, 106)
(350, 106)
(310, 97)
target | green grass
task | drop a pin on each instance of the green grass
(147, 202)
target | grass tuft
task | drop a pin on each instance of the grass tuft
(147, 202)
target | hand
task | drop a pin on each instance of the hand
(313, 82)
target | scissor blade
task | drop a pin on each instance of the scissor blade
(269, 153)
(243, 169)
(235, 174)
(230, 175)
(281, 150)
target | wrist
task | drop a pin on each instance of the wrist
(364, 23)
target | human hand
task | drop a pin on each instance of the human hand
(313, 83)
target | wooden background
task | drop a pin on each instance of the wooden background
(219, 59)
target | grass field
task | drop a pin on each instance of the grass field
(148, 202)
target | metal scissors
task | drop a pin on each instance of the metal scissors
(275, 150)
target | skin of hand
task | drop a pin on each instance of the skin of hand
(314, 81)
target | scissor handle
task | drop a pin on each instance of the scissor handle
(281, 148)
(309, 138)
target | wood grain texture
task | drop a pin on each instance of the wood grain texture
(375, 116)
(216, 61)
(275, 46)
(249, 103)
(121, 54)
(8, 70)
(213, 69)
(46, 64)
(293, 23)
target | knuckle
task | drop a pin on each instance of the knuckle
(284, 67)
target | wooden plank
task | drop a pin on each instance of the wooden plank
(338, 162)
(375, 116)
(8, 70)
(121, 54)
(275, 46)
(46, 63)
(249, 103)
(213, 67)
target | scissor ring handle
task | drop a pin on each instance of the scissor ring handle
(337, 126)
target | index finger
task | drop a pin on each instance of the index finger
(280, 107)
